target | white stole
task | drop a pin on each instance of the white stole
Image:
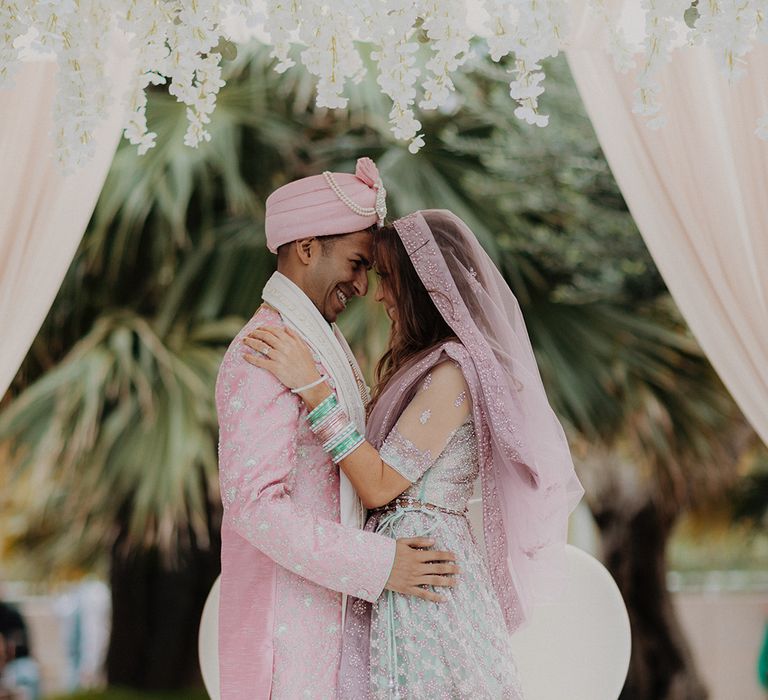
(331, 347)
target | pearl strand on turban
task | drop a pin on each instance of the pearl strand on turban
(326, 205)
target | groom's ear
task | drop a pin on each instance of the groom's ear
(305, 249)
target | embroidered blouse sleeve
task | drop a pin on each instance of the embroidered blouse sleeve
(258, 421)
(440, 406)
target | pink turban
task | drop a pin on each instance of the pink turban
(327, 204)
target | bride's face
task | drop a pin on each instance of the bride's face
(384, 292)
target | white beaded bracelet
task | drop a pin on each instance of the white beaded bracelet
(311, 385)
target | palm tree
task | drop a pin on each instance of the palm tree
(111, 421)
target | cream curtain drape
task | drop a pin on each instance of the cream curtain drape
(698, 190)
(43, 213)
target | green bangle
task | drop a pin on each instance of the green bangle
(356, 442)
(322, 410)
(350, 437)
(327, 419)
(339, 437)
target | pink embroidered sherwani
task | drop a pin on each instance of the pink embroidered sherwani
(286, 559)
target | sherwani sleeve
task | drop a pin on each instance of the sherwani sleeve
(258, 423)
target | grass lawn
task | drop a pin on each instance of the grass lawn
(124, 694)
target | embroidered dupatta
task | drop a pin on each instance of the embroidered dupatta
(529, 485)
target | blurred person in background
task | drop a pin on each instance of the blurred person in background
(20, 672)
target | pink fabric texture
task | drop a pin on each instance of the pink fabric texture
(285, 558)
(309, 207)
(529, 485)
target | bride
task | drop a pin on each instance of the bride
(458, 396)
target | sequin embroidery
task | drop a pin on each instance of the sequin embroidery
(417, 650)
(281, 499)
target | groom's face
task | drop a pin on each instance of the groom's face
(339, 272)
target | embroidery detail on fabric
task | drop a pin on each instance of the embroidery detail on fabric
(404, 457)
(495, 541)
(288, 300)
(279, 296)
(415, 652)
(427, 260)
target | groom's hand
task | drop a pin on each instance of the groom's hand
(417, 567)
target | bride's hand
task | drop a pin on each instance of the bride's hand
(282, 352)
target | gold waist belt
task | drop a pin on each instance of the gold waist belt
(406, 502)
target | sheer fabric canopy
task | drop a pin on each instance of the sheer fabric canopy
(698, 190)
(43, 213)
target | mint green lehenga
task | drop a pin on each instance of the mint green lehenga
(471, 405)
(419, 649)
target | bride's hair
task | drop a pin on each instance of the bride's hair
(420, 325)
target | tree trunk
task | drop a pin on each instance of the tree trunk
(634, 546)
(156, 608)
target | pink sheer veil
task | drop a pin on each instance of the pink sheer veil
(528, 479)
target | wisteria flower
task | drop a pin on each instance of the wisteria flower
(175, 44)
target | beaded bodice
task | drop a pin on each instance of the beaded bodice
(433, 443)
(448, 482)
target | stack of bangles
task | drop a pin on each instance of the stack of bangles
(334, 429)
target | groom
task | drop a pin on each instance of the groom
(292, 543)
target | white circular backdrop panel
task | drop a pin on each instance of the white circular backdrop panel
(577, 648)
(208, 641)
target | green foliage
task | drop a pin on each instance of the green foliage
(111, 422)
(750, 499)
(138, 406)
(549, 195)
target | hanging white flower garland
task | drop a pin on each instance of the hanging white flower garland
(177, 41)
